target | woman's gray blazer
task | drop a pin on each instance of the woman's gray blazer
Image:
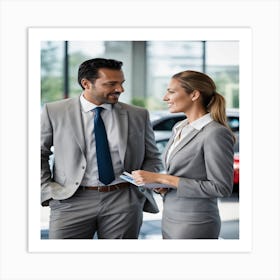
(204, 162)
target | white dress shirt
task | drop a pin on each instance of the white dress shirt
(91, 173)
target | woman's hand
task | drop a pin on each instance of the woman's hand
(144, 177)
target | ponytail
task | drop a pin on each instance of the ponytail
(217, 109)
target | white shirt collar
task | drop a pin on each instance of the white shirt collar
(197, 124)
(201, 122)
(88, 106)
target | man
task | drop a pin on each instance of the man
(83, 189)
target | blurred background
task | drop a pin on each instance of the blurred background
(148, 67)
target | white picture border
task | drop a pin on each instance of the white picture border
(241, 34)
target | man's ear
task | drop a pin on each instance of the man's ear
(86, 83)
(195, 95)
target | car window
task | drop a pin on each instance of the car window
(233, 123)
(167, 124)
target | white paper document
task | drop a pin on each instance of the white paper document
(128, 177)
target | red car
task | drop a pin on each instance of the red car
(236, 169)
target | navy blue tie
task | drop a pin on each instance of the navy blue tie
(103, 155)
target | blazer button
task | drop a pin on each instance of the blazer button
(77, 183)
(83, 167)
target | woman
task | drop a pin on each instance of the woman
(198, 159)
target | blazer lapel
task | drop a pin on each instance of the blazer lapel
(76, 123)
(122, 127)
(167, 147)
(183, 143)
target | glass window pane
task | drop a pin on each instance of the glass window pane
(51, 71)
(222, 64)
(166, 58)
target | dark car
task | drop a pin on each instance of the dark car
(163, 123)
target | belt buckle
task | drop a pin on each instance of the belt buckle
(99, 188)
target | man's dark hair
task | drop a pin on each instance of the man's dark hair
(89, 68)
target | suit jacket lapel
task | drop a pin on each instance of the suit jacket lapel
(183, 143)
(122, 127)
(76, 123)
(167, 147)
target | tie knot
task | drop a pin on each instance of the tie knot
(98, 110)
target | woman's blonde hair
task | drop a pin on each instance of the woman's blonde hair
(213, 102)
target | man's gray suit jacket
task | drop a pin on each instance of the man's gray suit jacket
(62, 128)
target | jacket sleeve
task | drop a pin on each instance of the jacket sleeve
(46, 145)
(152, 161)
(218, 157)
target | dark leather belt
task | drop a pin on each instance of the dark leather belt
(106, 188)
